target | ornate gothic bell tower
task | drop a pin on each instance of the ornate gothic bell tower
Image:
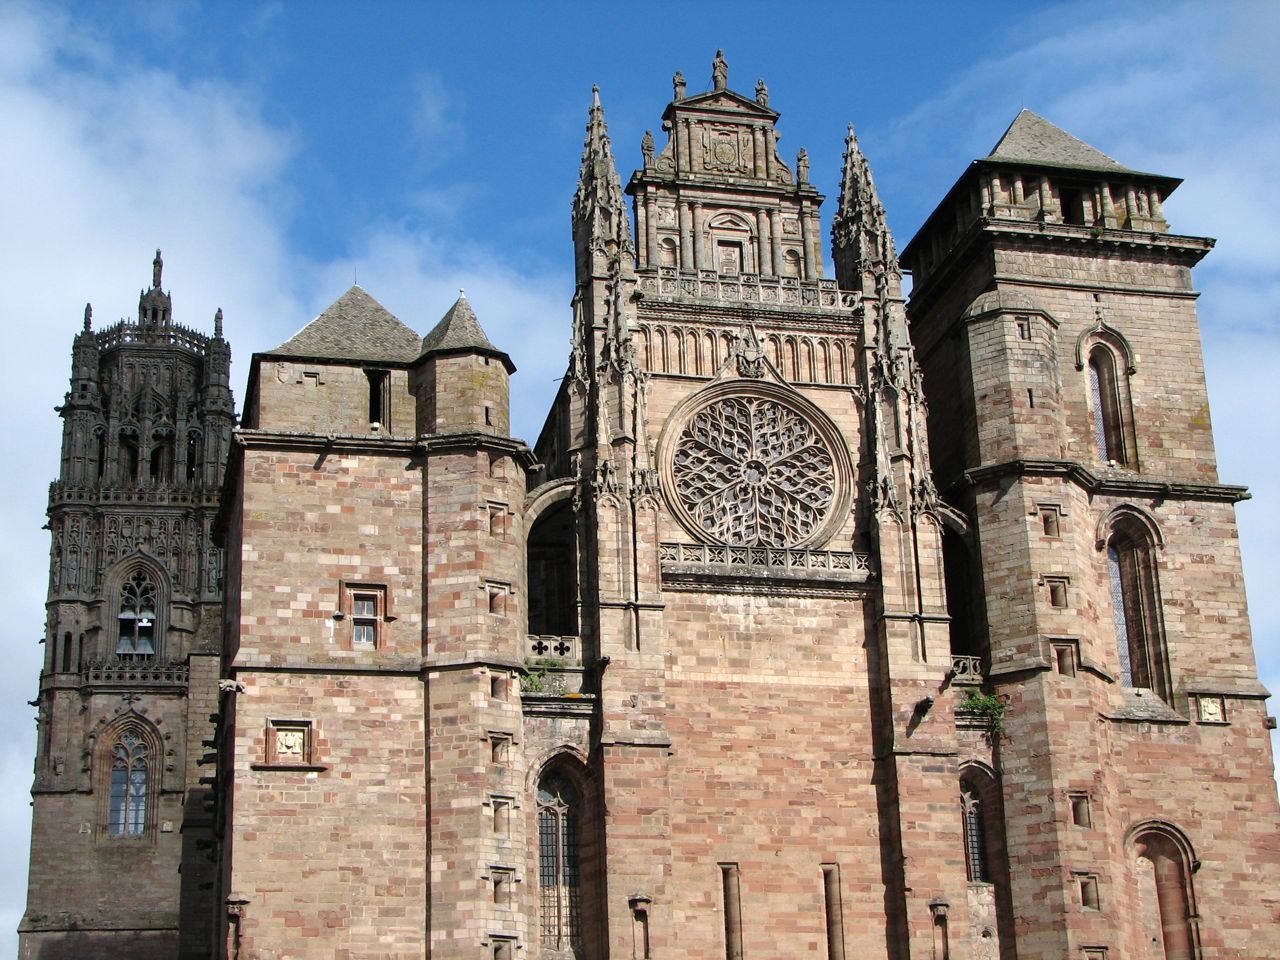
(132, 642)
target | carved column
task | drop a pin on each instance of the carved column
(1018, 195)
(642, 234)
(650, 249)
(815, 233)
(806, 240)
(1046, 199)
(757, 143)
(686, 237)
(775, 238)
(699, 253)
(764, 257)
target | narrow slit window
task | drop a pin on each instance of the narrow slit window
(379, 398)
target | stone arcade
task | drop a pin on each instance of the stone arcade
(755, 653)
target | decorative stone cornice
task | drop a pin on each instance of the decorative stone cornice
(1102, 484)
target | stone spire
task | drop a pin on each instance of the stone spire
(862, 245)
(601, 227)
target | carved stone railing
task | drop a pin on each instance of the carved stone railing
(183, 494)
(749, 287)
(779, 562)
(545, 648)
(966, 670)
(171, 335)
(135, 673)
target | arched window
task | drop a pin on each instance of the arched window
(137, 617)
(975, 838)
(1165, 909)
(1106, 407)
(986, 855)
(559, 866)
(1135, 606)
(129, 789)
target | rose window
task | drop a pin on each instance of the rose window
(753, 471)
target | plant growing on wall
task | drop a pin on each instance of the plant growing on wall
(986, 705)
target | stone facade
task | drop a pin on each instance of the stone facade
(816, 622)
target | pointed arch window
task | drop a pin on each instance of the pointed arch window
(137, 617)
(129, 787)
(559, 866)
(975, 841)
(1163, 867)
(1108, 366)
(1135, 606)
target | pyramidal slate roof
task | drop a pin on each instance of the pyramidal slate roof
(1033, 139)
(354, 327)
(460, 332)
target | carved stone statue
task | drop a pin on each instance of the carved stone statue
(719, 71)
(646, 148)
(157, 265)
(678, 82)
(802, 166)
(762, 93)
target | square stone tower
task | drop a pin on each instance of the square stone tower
(1096, 572)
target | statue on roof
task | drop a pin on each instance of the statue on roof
(802, 166)
(762, 93)
(678, 83)
(157, 265)
(646, 148)
(719, 71)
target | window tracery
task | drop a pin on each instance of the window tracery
(755, 470)
(129, 787)
(137, 617)
(559, 870)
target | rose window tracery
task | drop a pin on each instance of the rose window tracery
(754, 471)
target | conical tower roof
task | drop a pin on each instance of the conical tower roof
(459, 331)
(354, 327)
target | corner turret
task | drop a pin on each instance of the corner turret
(462, 379)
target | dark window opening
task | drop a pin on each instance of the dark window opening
(1104, 399)
(137, 618)
(1132, 576)
(379, 396)
(1072, 206)
(553, 573)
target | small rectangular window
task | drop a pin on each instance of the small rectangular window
(1051, 519)
(1057, 591)
(503, 948)
(1081, 816)
(1024, 327)
(1065, 657)
(1088, 892)
(500, 747)
(497, 519)
(503, 881)
(366, 606)
(497, 594)
(501, 816)
(379, 397)
(498, 686)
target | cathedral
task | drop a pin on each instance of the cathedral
(818, 621)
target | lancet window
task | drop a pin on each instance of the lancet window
(559, 866)
(129, 787)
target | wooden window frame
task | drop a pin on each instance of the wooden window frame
(350, 594)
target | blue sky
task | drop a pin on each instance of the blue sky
(275, 150)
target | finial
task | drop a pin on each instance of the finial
(762, 93)
(157, 265)
(88, 317)
(217, 323)
(677, 81)
(462, 294)
(595, 95)
(719, 71)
